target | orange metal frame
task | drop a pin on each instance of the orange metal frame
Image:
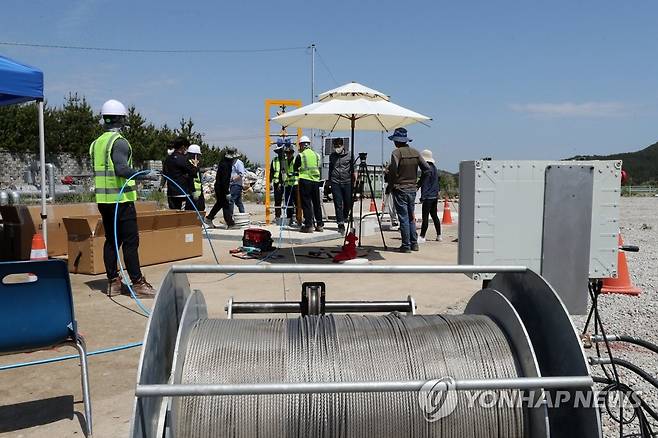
(282, 104)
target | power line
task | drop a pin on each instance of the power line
(128, 50)
(326, 67)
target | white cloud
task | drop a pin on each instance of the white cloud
(571, 109)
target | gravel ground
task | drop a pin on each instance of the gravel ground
(634, 316)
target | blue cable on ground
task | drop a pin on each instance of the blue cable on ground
(70, 356)
(139, 303)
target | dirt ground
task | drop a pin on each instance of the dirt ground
(45, 400)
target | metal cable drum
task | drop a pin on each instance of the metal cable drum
(335, 348)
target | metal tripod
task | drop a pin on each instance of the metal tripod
(364, 176)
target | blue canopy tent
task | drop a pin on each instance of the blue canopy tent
(21, 83)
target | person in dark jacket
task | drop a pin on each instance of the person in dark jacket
(178, 168)
(403, 174)
(429, 196)
(340, 179)
(222, 194)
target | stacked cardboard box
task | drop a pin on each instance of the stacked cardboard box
(21, 222)
(164, 236)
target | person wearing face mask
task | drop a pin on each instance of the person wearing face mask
(194, 156)
(307, 165)
(340, 180)
(402, 175)
(111, 156)
(181, 170)
(278, 178)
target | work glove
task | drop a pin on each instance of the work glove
(152, 175)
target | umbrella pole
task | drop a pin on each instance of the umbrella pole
(352, 179)
(42, 158)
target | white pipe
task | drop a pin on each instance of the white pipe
(51, 183)
(42, 159)
(346, 269)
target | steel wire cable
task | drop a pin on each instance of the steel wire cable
(344, 348)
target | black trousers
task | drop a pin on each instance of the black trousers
(290, 200)
(311, 206)
(223, 204)
(278, 199)
(176, 202)
(127, 237)
(429, 209)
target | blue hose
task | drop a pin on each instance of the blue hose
(116, 241)
(70, 356)
(139, 303)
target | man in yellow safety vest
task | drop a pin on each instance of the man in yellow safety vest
(277, 178)
(111, 156)
(291, 188)
(307, 164)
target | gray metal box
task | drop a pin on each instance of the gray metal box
(501, 211)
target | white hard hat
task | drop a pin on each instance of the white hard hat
(304, 139)
(194, 149)
(113, 108)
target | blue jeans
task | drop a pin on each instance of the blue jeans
(236, 198)
(404, 206)
(342, 194)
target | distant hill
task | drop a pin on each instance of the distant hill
(641, 166)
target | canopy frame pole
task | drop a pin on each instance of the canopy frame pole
(42, 159)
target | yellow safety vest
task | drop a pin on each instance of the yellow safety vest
(276, 168)
(310, 168)
(291, 178)
(107, 183)
(198, 187)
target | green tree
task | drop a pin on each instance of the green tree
(75, 127)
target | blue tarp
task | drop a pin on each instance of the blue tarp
(19, 82)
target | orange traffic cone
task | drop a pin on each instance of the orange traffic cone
(38, 251)
(622, 284)
(447, 217)
(373, 206)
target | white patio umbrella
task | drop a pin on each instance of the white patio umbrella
(351, 107)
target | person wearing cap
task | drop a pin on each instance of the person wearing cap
(180, 173)
(111, 156)
(278, 177)
(402, 174)
(429, 196)
(340, 180)
(291, 186)
(307, 164)
(194, 156)
(236, 186)
(222, 195)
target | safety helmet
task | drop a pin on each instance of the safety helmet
(194, 149)
(304, 139)
(113, 108)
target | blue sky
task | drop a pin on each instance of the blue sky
(506, 79)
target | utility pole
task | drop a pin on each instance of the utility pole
(312, 73)
(313, 88)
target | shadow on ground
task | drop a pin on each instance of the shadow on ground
(34, 413)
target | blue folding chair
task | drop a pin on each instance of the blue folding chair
(36, 312)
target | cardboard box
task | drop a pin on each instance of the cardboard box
(164, 236)
(21, 222)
